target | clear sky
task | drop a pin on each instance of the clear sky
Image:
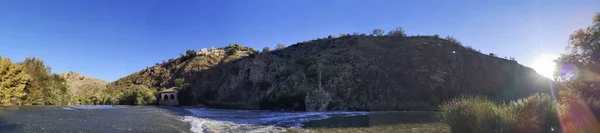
(110, 39)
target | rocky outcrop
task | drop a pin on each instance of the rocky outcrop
(358, 73)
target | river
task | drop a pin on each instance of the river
(120, 119)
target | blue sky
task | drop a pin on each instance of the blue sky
(110, 39)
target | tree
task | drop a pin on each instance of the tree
(180, 82)
(190, 52)
(139, 95)
(452, 39)
(232, 52)
(397, 32)
(252, 50)
(39, 83)
(59, 94)
(236, 47)
(583, 51)
(280, 46)
(378, 32)
(12, 82)
(577, 69)
(266, 49)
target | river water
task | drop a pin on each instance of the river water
(117, 119)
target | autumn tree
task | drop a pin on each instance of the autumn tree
(12, 82)
(583, 52)
(39, 83)
(577, 70)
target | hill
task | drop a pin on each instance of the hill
(356, 72)
(83, 88)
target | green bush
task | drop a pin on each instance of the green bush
(139, 95)
(536, 113)
(468, 114)
(476, 114)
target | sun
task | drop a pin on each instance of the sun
(544, 65)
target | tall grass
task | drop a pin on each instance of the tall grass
(477, 114)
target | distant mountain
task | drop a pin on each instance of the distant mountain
(83, 87)
(358, 72)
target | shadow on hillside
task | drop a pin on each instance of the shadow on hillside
(375, 119)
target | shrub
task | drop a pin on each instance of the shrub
(139, 95)
(397, 32)
(280, 46)
(452, 39)
(266, 49)
(232, 52)
(536, 113)
(292, 99)
(476, 114)
(378, 32)
(190, 52)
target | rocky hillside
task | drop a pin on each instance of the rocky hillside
(356, 72)
(83, 87)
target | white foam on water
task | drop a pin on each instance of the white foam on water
(203, 125)
(82, 107)
(217, 120)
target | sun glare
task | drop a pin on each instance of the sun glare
(544, 65)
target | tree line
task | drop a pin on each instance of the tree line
(31, 82)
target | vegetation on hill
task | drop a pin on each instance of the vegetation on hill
(83, 89)
(91, 91)
(359, 72)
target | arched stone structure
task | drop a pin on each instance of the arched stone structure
(168, 97)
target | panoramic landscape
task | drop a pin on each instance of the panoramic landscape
(119, 79)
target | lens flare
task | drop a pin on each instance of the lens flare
(568, 72)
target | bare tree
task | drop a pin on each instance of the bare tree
(397, 32)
